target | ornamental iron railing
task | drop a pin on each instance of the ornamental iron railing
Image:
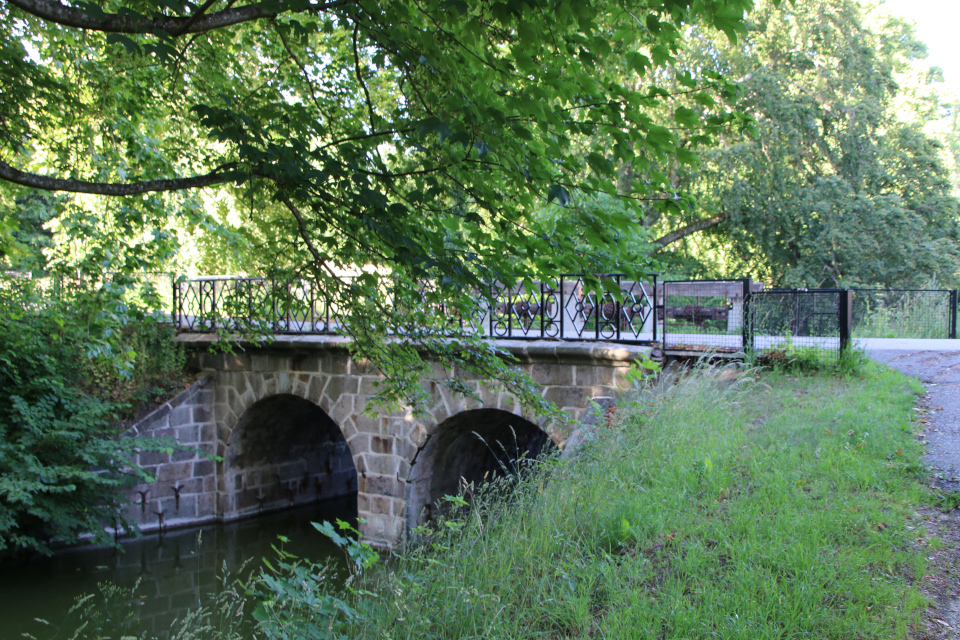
(731, 317)
(564, 308)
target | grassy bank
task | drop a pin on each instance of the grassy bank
(774, 507)
(763, 505)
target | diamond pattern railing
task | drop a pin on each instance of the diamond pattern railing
(560, 309)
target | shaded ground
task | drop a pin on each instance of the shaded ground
(939, 371)
(937, 366)
(942, 584)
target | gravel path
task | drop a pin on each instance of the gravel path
(936, 363)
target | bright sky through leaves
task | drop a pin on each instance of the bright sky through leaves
(937, 22)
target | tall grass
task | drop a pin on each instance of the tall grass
(773, 507)
(733, 504)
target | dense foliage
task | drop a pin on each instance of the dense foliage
(62, 457)
(417, 137)
(842, 182)
(469, 142)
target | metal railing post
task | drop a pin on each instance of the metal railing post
(618, 306)
(746, 322)
(174, 316)
(845, 319)
(541, 310)
(509, 309)
(326, 312)
(563, 308)
(654, 308)
(597, 312)
(213, 304)
(493, 310)
(953, 314)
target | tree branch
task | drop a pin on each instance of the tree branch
(302, 231)
(54, 11)
(199, 13)
(691, 228)
(363, 85)
(46, 183)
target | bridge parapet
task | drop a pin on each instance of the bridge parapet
(564, 308)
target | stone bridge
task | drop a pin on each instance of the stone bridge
(288, 426)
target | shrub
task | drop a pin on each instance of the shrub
(62, 457)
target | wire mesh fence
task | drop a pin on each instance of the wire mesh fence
(904, 313)
(715, 316)
(782, 320)
(704, 315)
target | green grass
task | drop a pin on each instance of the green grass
(778, 506)
(734, 504)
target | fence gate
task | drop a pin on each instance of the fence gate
(820, 318)
(700, 316)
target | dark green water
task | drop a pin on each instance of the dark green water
(176, 571)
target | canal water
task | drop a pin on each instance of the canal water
(173, 572)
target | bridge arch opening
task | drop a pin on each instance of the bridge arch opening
(474, 446)
(285, 451)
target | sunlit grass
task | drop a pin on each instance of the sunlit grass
(774, 506)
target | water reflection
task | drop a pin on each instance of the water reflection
(176, 570)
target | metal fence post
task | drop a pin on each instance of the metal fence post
(953, 314)
(493, 310)
(174, 316)
(746, 322)
(213, 304)
(654, 310)
(845, 319)
(540, 311)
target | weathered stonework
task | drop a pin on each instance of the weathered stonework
(384, 446)
(188, 419)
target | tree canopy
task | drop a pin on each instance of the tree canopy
(420, 136)
(839, 184)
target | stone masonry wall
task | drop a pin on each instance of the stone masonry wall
(383, 446)
(188, 419)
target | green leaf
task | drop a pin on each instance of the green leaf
(686, 117)
(132, 48)
(558, 193)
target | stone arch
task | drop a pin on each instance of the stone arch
(474, 445)
(282, 451)
(238, 390)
